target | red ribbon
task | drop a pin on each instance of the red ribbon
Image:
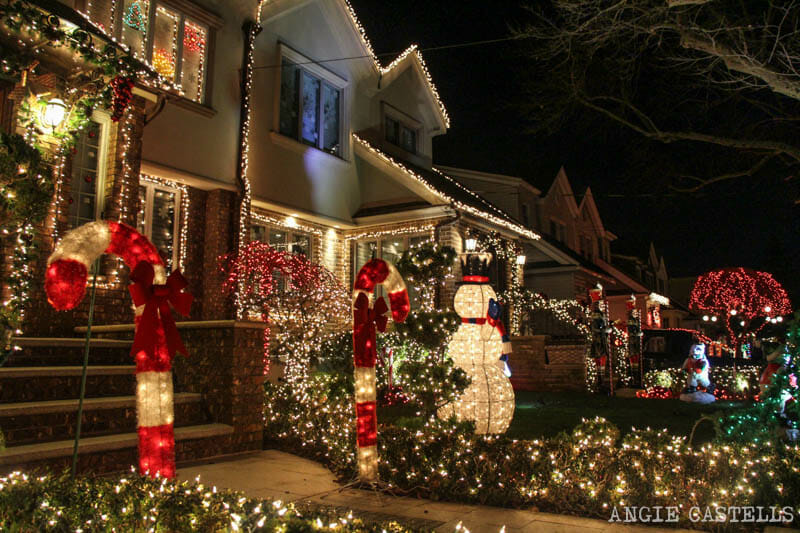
(156, 300)
(366, 321)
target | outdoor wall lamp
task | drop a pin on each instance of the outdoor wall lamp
(55, 110)
(521, 260)
(470, 244)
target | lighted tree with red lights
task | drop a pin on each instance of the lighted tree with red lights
(745, 300)
(297, 299)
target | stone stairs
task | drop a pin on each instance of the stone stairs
(39, 390)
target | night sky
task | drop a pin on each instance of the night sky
(752, 222)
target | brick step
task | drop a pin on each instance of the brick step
(29, 423)
(106, 453)
(44, 383)
(54, 351)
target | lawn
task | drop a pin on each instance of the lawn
(544, 414)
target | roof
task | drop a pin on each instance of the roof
(450, 191)
(411, 52)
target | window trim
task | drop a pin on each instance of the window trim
(291, 234)
(150, 188)
(379, 243)
(325, 75)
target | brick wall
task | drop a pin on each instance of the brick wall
(537, 364)
(219, 237)
(226, 366)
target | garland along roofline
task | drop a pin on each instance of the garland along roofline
(37, 27)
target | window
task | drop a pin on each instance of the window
(282, 239)
(158, 219)
(310, 108)
(390, 249)
(174, 44)
(526, 217)
(401, 135)
(88, 174)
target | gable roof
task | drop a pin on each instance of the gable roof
(438, 185)
(411, 53)
(562, 188)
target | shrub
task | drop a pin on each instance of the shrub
(138, 503)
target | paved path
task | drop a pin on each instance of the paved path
(277, 475)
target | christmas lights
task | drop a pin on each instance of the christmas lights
(184, 209)
(156, 340)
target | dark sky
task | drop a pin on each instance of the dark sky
(752, 224)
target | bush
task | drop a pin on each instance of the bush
(586, 472)
(137, 503)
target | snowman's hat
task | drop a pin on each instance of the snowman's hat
(475, 267)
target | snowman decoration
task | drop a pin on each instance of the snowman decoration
(697, 368)
(480, 347)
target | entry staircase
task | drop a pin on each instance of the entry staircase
(39, 391)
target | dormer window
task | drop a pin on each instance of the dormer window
(401, 135)
(311, 100)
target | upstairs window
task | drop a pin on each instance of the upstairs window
(310, 107)
(401, 135)
(174, 44)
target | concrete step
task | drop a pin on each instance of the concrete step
(105, 454)
(27, 423)
(44, 383)
(55, 351)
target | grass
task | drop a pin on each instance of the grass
(545, 414)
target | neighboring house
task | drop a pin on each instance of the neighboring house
(574, 252)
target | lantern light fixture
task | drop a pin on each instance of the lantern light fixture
(521, 260)
(55, 111)
(470, 243)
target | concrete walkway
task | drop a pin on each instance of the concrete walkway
(281, 476)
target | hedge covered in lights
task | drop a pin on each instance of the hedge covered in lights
(137, 503)
(734, 385)
(586, 472)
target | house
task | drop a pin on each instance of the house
(245, 123)
(574, 251)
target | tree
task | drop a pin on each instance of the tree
(721, 74)
(298, 300)
(744, 299)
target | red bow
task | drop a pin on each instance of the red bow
(366, 321)
(156, 300)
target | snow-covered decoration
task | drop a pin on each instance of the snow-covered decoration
(479, 348)
(697, 368)
(368, 318)
(156, 340)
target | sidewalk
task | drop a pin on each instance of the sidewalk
(281, 476)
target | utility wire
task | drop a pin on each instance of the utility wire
(396, 54)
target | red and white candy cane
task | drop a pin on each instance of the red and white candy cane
(367, 319)
(156, 339)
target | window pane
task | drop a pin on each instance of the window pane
(301, 245)
(364, 252)
(392, 132)
(134, 25)
(409, 140)
(163, 230)
(194, 60)
(289, 100)
(330, 119)
(392, 249)
(83, 186)
(277, 239)
(310, 109)
(165, 39)
(258, 233)
(100, 13)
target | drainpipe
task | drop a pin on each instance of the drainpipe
(250, 30)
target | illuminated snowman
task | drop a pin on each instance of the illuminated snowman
(480, 348)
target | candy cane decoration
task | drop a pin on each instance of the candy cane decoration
(156, 339)
(367, 319)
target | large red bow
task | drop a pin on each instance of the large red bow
(156, 300)
(366, 321)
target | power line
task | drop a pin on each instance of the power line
(396, 54)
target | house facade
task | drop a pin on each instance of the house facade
(244, 123)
